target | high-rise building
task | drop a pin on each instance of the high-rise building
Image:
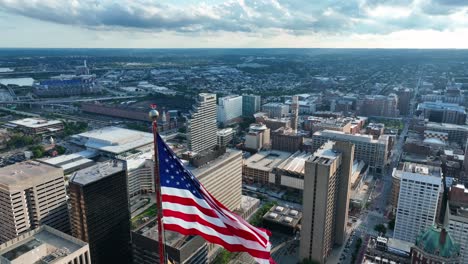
(436, 246)
(456, 218)
(202, 126)
(31, 194)
(418, 200)
(229, 108)
(44, 245)
(100, 211)
(373, 152)
(378, 105)
(140, 166)
(326, 201)
(250, 105)
(404, 100)
(294, 113)
(276, 110)
(222, 177)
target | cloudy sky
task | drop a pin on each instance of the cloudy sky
(234, 23)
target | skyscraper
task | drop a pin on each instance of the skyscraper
(326, 201)
(99, 211)
(294, 112)
(250, 105)
(202, 126)
(31, 194)
(418, 200)
(229, 108)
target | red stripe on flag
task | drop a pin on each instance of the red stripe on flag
(216, 240)
(228, 230)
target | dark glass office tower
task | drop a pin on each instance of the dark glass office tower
(99, 211)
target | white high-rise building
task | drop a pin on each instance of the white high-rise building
(418, 200)
(202, 126)
(456, 218)
(229, 107)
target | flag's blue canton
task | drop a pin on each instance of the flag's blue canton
(172, 172)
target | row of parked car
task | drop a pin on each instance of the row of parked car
(19, 157)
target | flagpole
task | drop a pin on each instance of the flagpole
(153, 114)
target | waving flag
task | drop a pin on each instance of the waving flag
(190, 210)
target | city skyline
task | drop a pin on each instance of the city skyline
(253, 24)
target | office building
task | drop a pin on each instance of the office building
(442, 112)
(378, 105)
(229, 108)
(36, 126)
(258, 137)
(44, 245)
(259, 167)
(113, 141)
(276, 110)
(286, 139)
(456, 218)
(294, 113)
(314, 124)
(140, 167)
(225, 136)
(99, 211)
(435, 246)
(404, 100)
(304, 105)
(222, 177)
(250, 104)
(202, 129)
(180, 249)
(31, 194)
(325, 212)
(456, 133)
(373, 152)
(418, 200)
(375, 130)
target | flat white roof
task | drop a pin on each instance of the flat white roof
(115, 140)
(35, 122)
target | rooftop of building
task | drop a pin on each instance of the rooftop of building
(441, 106)
(325, 154)
(439, 242)
(283, 215)
(96, 172)
(446, 126)
(288, 131)
(225, 131)
(274, 104)
(422, 169)
(351, 137)
(172, 239)
(337, 122)
(35, 122)
(56, 244)
(295, 163)
(68, 162)
(28, 173)
(197, 171)
(115, 140)
(376, 126)
(266, 160)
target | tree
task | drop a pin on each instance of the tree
(38, 151)
(391, 224)
(60, 149)
(380, 228)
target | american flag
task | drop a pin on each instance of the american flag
(190, 210)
